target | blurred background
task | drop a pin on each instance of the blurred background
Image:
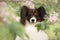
(10, 25)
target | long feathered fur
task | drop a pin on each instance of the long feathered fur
(24, 11)
(41, 11)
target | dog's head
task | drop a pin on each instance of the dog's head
(32, 15)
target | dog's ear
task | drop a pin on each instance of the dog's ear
(24, 11)
(41, 12)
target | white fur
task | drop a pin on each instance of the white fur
(17, 38)
(31, 30)
(33, 34)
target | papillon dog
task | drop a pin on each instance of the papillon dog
(29, 18)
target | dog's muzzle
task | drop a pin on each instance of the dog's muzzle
(33, 19)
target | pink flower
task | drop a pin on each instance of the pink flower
(53, 18)
(29, 4)
(3, 4)
(3, 10)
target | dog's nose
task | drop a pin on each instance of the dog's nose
(33, 20)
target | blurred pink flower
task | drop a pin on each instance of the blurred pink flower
(53, 18)
(29, 4)
(3, 10)
(3, 4)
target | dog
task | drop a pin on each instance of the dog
(29, 18)
(32, 15)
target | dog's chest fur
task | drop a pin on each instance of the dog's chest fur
(33, 34)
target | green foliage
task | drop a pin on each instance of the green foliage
(17, 29)
(11, 27)
(9, 31)
(42, 25)
(5, 33)
(15, 7)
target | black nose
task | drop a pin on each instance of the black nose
(33, 20)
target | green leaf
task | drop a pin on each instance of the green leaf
(17, 29)
(42, 25)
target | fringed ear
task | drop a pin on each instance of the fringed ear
(41, 12)
(24, 11)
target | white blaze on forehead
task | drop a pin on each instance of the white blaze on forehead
(33, 18)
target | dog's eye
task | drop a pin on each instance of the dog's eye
(36, 15)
